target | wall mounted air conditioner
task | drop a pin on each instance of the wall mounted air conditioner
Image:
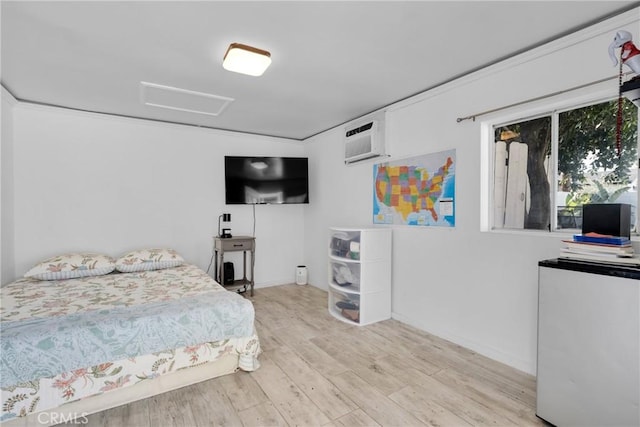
(364, 139)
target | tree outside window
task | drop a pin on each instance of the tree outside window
(590, 169)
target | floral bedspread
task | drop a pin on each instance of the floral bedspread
(44, 394)
(53, 331)
(29, 298)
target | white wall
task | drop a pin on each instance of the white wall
(94, 182)
(6, 189)
(478, 289)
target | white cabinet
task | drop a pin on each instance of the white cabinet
(360, 274)
(588, 344)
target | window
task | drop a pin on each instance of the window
(546, 167)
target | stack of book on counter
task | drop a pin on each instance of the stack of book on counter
(599, 248)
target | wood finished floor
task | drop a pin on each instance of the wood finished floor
(319, 371)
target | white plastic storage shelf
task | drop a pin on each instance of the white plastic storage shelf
(360, 274)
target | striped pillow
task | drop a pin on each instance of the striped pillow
(148, 259)
(72, 266)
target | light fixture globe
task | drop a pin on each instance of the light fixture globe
(244, 59)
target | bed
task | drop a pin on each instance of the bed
(72, 347)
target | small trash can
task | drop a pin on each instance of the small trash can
(301, 275)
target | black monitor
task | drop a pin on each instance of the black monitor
(263, 180)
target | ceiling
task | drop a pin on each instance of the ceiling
(332, 61)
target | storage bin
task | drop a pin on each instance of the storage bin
(345, 274)
(346, 244)
(345, 305)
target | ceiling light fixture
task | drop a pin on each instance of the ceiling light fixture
(244, 59)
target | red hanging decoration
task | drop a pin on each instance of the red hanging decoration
(630, 56)
(619, 116)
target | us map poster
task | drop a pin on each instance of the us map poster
(416, 191)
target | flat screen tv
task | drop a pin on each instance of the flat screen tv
(262, 180)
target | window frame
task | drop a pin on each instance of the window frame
(552, 106)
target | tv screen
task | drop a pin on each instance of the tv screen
(259, 180)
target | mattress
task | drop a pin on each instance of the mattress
(68, 339)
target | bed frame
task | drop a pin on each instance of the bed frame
(80, 408)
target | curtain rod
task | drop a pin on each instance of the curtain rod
(560, 92)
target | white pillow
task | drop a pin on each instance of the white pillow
(72, 266)
(148, 259)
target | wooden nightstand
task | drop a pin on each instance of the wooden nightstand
(235, 244)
